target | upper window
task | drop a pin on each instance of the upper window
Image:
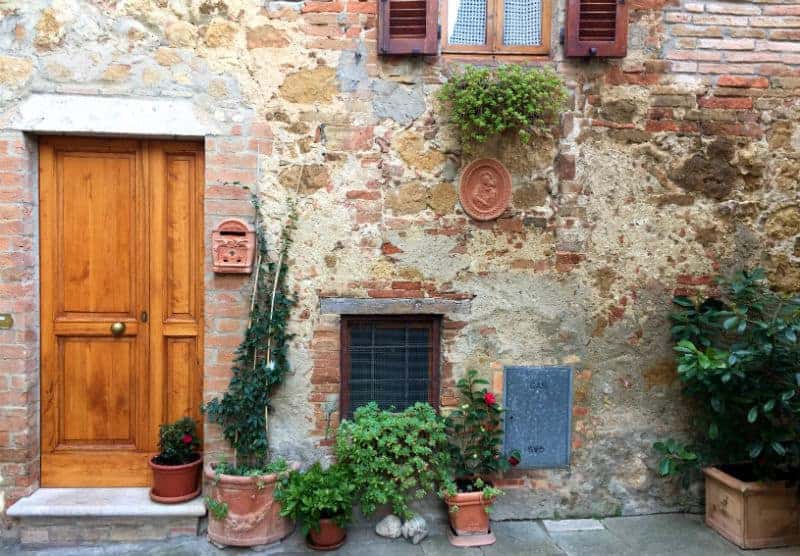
(496, 26)
(393, 361)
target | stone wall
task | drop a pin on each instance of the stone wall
(674, 163)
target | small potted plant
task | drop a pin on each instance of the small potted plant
(176, 468)
(321, 501)
(475, 431)
(739, 359)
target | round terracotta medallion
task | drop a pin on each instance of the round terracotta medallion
(485, 189)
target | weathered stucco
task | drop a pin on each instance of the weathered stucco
(668, 166)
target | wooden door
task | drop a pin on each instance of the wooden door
(121, 303)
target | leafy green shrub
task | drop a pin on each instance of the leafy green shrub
(738, 356)
(261, 359)
(393, 457)
(177, 442)
(484, 102)
(317, 494)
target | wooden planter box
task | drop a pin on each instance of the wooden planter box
(751, 514)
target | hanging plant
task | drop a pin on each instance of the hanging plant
(485, 102)
(261, 359)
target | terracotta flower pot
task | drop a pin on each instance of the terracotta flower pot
(253, 516)
(328, 537)
(752, 514)
(471, 517)
(175, 483)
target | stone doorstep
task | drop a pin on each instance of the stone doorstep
(571, 525)
(101, 502)
(52, 517)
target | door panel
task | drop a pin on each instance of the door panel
(108, 226)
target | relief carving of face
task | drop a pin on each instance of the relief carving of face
(486, 193)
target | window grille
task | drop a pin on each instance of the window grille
(390, 361)
(522, 22)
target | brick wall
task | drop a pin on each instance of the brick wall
(232, 162)
(19, 346)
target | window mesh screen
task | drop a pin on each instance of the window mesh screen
(469, 24)
(522, 22)
(389, 364)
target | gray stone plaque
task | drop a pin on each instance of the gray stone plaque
(538, 419)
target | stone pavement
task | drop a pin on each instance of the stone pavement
(654, 535)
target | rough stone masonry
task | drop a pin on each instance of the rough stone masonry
(674, 163)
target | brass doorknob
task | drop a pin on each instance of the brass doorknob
(118, 329)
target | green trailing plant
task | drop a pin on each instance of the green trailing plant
(317, 494)
(217, 509)
(739, 358)
(475, 432)
(262, 358)
(177, 442)
(279, 465)
(393, 457)
(485, 102)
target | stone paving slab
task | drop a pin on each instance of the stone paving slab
(655, 535)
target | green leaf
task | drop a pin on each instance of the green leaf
(755, 449)
(713, 431)
(778, 448)
(729, 323)
(769, 406)
(752, 415)
(665, 467)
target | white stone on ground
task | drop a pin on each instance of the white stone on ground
(389, 527)
(415, 529)
(567, 525)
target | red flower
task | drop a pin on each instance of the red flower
(187, 438)
(489, 398)
(513, 461)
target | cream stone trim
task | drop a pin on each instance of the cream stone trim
(111, 115)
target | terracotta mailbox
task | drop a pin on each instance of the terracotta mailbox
(233, 244)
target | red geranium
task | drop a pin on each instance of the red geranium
(512, 461)
(489, 398)
(187, 438)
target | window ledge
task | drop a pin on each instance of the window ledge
(394, 306)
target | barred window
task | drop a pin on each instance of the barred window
(393, 361)
(497, 26)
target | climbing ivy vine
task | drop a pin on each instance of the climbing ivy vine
(262, 358)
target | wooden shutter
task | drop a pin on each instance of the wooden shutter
(408, 26)
(596, 28)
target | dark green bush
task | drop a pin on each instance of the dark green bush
(177, 442)
(738, 356)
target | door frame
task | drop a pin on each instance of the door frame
(150, 204)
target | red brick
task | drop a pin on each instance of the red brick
(365, 195)
(321, 7)
(740, 130)
(732, 103)
(406, 285)
(388, 248)
(781, 10)
(362, 7)
(384, 294)
(743, 82)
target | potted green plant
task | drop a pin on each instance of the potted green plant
(241, 502)
(176, 467)
(475, 432)
(321, 501)
(393, 457)
(739, 360)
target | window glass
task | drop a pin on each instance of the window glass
(522, 22)
(389, 363)
(467, 22)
